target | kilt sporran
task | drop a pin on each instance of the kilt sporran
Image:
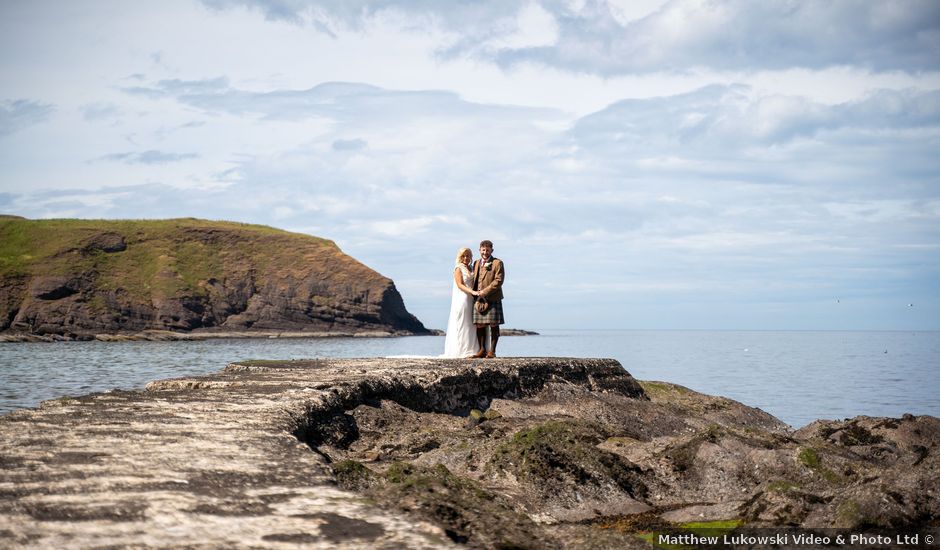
(493, 315)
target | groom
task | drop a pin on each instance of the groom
(488, 275)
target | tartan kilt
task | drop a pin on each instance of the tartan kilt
(494, 315)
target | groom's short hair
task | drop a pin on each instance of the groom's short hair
(488, 244)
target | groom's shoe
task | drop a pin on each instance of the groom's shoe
(490, 355)
(480, 354)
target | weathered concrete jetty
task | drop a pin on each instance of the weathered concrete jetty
(426, 453)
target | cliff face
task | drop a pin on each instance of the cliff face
(82, 277)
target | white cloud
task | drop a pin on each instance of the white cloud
(627, 11)
(606, 38)
(354, 144)
(148, 157)
(742, 157)
(712, 118)
(102, 111)
(21, 113)
(534, 27)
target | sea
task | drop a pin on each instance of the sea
(797, 376)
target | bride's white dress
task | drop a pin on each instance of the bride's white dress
(461, 340)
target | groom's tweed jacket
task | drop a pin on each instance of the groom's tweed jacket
(489, 280)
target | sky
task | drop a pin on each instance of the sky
(639, 164)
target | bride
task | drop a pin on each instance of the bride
(461, 340)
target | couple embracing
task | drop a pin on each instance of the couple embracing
(476, 305)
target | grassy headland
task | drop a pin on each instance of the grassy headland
(183, 274)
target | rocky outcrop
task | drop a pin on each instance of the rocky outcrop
(78, 278)
(509, 452)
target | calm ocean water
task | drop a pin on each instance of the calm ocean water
(796, 376)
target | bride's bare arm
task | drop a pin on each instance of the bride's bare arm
(458, 278)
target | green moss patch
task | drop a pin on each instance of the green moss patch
(492, 414)
(352, 475)
(711, 527)
(782, 486)
(650, 526)
(662, 389)
(810, 458)
(469, 513)
(563, 455)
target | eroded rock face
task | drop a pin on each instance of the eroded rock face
(53, 287)
(568, 453)
(106, 241)
(93, 277)
(509, 452)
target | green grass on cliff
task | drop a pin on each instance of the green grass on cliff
(163, 257)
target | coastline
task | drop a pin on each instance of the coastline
(172, 336)
(770, 375)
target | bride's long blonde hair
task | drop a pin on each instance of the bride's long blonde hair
(460, 254)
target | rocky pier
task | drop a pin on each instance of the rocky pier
(430, 453)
